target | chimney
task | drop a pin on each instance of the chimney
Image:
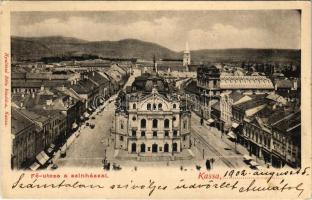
(295, 84)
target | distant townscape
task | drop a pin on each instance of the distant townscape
(133, 104)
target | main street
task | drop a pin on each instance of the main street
(209, 142)
(92, 145)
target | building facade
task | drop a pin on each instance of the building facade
(151, 122)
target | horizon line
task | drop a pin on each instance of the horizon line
(201, 49)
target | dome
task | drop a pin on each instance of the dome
(147, 82)
(149, 85)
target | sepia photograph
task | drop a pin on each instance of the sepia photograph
(194, 90)
(155, 100)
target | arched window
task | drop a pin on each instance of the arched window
(160, 106)
(175, 133)
(143, 123)
(166, 123)
(134, 106)
(155, 123)
(174, 106)
(154, 107)
(148, 106)
(121, 125)
(185, 124)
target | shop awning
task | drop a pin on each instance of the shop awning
(34, 166)
(253, 163)
(42, 157)
(86, 115)
(210, 120)
(246, 157)
(232, 135)
(235, 125)
(74, 125)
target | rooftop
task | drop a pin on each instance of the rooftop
(19, 121)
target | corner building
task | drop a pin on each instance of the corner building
(150, 120)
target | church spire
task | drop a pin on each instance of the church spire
(186, 56)
(187, 50)
(155, 64)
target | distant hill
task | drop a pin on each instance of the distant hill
(34, 48)
(252, 55)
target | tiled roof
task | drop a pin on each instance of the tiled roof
(288, 123)
(235, 95)
(192, 88)
(19, 121)
(250, 104)
(26, 84)
(245, 82)
(34, 116)
(216, 105)
(96, 77)
(84, 86)
(284, 83)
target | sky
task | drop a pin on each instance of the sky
(172, 29)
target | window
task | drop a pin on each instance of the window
(133, 118)
(166, 133)
(174, 106)
(154, 133)
(155, 123)
(134, 106)
(184, 137)
(175, 133)
(160, 106)
(148, 148)
(148, 106)
(174, 118)
(184, 124)
(143, 123)
(133, 133)
(154, 107)
(121, 125)
(166, 123)
(121, 138)
(142, 133)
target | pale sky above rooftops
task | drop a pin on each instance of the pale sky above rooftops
(172, 29)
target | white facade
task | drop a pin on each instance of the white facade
(153, 125)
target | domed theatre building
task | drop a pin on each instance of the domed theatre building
(151, 121)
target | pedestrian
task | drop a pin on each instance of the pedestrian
(208, 166)
(201, 121)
